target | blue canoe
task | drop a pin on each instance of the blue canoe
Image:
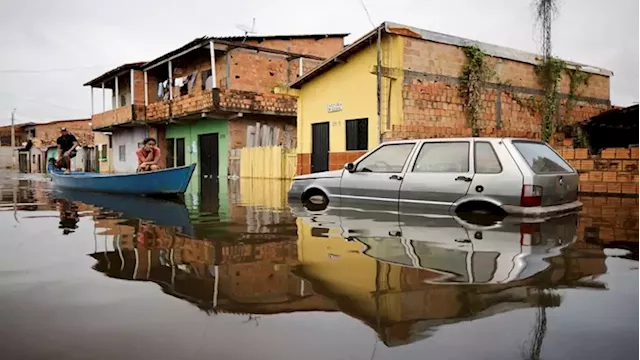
(162, 182)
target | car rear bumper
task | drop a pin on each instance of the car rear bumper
(540, 211)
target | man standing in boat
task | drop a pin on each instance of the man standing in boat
(148, 156)
(67, 144)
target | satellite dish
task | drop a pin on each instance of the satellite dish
(246, 29)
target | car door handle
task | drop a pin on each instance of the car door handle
(463, 178)
(395, 177)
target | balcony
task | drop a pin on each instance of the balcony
(223, 101)
(123, 115)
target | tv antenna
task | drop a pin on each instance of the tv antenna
(247, 30)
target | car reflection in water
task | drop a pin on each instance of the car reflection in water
(430, 270)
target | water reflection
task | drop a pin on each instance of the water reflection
(405, 277)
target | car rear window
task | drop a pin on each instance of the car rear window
(541, 158)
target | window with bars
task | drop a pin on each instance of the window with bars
(357, 134)
(103, 152)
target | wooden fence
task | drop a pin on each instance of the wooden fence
(268, 162)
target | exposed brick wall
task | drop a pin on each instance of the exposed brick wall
(257, 71)
(191, 103)
(121, 115)
(49, 133)
(138, 87)
(325, 47)
(294, 67)
(158, 111)
(337, 160)
(431, 93)
(267, 103)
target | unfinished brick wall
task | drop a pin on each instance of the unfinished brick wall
(431, 93)
(121, 115)
(266, 103)
(138, 87)
(256, 71)
(324, 47)
(49, 133)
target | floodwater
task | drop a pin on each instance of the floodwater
(233, 274)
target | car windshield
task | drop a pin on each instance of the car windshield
(541, 158)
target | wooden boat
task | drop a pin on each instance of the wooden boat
(162, 182)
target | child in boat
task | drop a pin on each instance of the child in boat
(148, 156)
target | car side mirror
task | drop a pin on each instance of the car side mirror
(349, 167)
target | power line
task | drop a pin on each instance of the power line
(40, 102)
(32, 71)
(364, 6)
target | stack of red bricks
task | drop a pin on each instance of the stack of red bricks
(237, 100)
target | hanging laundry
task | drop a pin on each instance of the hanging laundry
(192, 80)
(160, 90)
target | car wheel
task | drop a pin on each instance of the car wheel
(316, 202)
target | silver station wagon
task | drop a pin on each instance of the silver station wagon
(496, 175)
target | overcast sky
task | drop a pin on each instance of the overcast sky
(50, 48)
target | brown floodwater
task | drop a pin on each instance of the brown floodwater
(234, 272)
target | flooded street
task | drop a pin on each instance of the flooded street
(235, 273)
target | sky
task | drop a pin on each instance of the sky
(50, 48)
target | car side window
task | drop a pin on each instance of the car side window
(486, 160)
(440, 157)
(387, 159)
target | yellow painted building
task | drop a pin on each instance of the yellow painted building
(343, 110)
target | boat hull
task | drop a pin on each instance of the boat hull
(161, 182)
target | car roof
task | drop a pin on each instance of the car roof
(453, 139)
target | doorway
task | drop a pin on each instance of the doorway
(319, 147)
(208, 158)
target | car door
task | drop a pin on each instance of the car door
(374, 183)
(440, 174)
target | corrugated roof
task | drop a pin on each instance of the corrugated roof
(193, 43)
(113, 72)
(409, 31)
(281, 37)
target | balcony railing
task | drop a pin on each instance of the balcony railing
(119, 116)
(223, 100)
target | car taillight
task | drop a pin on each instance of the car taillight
(531, 195)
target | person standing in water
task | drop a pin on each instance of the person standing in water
(148, 156)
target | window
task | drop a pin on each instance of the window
(122, 153)
(180, 160)
(486, 160)
(170, 158)
(387, 159)
(103, 152)
(541, 158)
(443, 157)
(357, 134)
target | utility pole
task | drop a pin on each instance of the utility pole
(13, 140)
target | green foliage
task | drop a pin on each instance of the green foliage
(475, 73)
(576, 78)
(549, 73)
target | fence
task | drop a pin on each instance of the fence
(268, 162)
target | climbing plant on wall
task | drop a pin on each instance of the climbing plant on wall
(475, 74)
(549, 73)
(576, 78)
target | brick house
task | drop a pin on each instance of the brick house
(209, 97)
(342, 114)
(40, 145)
(7, 153)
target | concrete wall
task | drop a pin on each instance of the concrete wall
(129, 138)
(6, 157)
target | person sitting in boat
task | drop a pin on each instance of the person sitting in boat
(67, 144)
(148, 156)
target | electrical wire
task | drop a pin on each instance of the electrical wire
(32, 71)
(364, 6)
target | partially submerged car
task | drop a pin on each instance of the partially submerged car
(496, 175)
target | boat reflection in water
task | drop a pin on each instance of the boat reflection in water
(403, 276)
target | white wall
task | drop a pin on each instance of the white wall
(129, 138)
(6, 157)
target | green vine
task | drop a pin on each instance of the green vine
(532, 105)
(549, 73)
(475, 73)
(576, 78)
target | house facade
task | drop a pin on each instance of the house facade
(209, 98)
(346, 106)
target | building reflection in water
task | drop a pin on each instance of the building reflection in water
(403, 276)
